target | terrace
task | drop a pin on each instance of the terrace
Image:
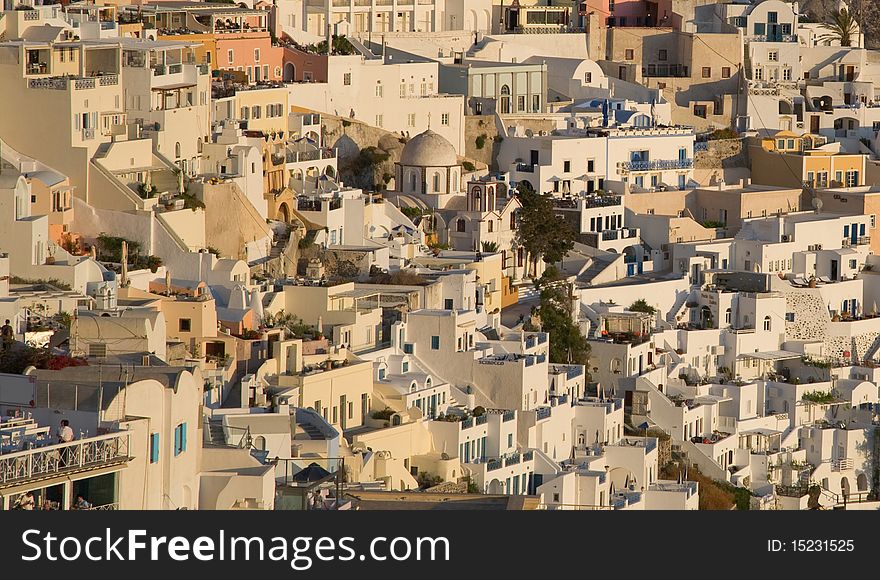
(44, 461)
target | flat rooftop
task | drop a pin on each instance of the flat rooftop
(424, 501)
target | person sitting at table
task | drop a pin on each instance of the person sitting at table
(82, 503)
(65, 432)
(26, 501)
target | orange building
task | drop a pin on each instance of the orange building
(790, 160)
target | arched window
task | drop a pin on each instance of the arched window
(437, 182)
(460, 225)
(413, 178)
(428, 383)
(177, 150)
(727, 316)
(766, 323)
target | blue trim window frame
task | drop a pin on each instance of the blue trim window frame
(154, 448)
(435, 343)
(179, 439)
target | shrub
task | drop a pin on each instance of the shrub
(468, 166)
(480, 141)
(641, 305)
(383, 415)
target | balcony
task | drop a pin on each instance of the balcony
(859, 241)
(525, 168)
(657, 164)
(621, 234)
(55, 460)
(773, 38)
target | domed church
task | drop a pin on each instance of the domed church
(429, 169)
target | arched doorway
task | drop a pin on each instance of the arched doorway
(844, 487)
(284, 213)
(505, 100)
(495, 487)
(289, 72)
(862, 482)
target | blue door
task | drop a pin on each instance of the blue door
(682, 181)
(854, 233)
(630, 269)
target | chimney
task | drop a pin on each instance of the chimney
(746, 181)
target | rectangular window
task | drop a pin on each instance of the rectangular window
(154, 448)
(588, 78)
(381, 374)
(179, 439)
(411, 120)
(629, 54)
(707, 72)
(405, 367)
(536, 103)
(435, 343)
(510, 440)
(346, 79)
(231, 56)
(521, 103)
(256, 55)
(725, 72)
(566, 166)
(444, 119)
(773, 56)
(378, 90)
(662, 54)
(408, 348)
(185, 325)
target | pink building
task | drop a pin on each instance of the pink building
(636, 13)
(251, 53)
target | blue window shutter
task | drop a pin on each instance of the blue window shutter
(176, 441)
(183, 437)
(154, 448)
(861, 229)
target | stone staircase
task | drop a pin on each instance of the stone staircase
(313, 432)
(215, 433)
(598, 264)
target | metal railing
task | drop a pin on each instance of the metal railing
(657, 164)
(44, 462)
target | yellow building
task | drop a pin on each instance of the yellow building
(792, 160)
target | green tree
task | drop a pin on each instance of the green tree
(641, 305)
(841, 26)
(540, 230)
(567, 344)
(489, 247)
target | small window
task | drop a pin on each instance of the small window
(789, 316)
(185, 325)
(408, 348)
(179, 439)
(346, 79)
(405, 367)
(381, 374)
(231, 56)
(707, 72)
(435, 343)
(766, 323)
(662, 54)
(154, 448)
(629, 54)
(725, 72)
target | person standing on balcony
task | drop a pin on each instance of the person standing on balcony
(65, 432)
(8, 336)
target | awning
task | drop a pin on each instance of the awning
(770, 356)
(174, 87)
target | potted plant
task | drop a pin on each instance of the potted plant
(153, 263)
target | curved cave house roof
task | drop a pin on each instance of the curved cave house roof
(429, 149)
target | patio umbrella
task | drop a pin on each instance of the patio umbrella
(554, 179)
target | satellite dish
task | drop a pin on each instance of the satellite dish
(817, 204)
